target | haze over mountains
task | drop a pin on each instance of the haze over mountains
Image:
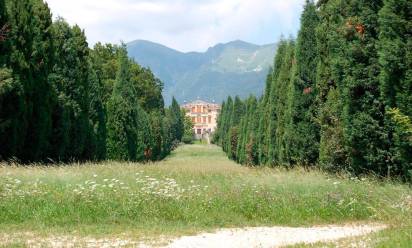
(234, 68)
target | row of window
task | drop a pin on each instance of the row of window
(203, 119)
(200, 109)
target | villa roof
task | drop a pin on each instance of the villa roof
(199, 102)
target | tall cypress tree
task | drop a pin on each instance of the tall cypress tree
(365, 136)
(247, 152)
(227, 122)
(4, 29)
(332, 154)
(123, 116)
(11, 96)
(304, 133)
(395, 57)
(262, 133)
(236, 116)
(277, 153)
(97, 116)
(71, 80)
(176, 120)
(30, 58)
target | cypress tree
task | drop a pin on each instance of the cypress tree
(97, 116)
(264, 111)
(217, 137)
(12, 109)
(128, 131)
(395, 58)
(11, 96)
(304, 132)
(332, 155)
(71, 78)
(176, 121)
(238, 111)
(31, 58)
(227, 122)
(4, 30)
(247, 152)
(277, 153)
(365, 136)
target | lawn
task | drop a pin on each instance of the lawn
(196, 189)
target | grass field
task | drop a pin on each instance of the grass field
(196, 189)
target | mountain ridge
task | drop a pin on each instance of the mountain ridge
(233, 68)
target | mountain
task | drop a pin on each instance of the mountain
(234, 68)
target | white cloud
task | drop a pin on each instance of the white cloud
(182, 24)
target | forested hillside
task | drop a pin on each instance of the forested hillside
(340, 96)
(233, 68)
(62, 101)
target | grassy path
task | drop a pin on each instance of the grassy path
(196, 189)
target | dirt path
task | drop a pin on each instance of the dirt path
(258, 237)
(263, 237)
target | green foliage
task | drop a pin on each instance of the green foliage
(303, 132)
(128, 126)
(329, 99)
(188, 136)
(4, 30)
(395, 59)
(195, 190)
(62, 101)
(30, 57)
(11, 113)
(176, 118)
(402, 144)
(71, 81)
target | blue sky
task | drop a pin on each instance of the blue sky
(186, 25)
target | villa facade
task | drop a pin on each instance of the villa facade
(203, 115)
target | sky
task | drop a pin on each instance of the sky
(185, 25)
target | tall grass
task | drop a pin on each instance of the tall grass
(195, 189)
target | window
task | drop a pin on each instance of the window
(199, 119)
(204, 119)
(199, 109)
(193, 109)
(199, 131)
(194, 120)
(210, 119)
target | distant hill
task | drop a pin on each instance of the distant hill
(234, 68)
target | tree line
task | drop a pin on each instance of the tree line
(62, 101)
(339, 96)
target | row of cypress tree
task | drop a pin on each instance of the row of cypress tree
(339, 96)
(62, 101)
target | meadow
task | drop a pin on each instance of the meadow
(195, 189)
